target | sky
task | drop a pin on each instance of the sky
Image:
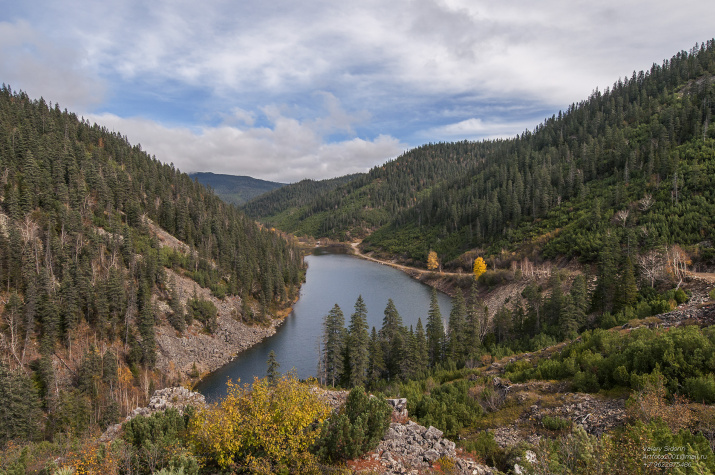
(286, 90)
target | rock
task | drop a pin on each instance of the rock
(433, 433)
(399, 407)
(431, 455)
(178, 398)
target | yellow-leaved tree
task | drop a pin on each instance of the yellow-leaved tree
(432, 260)
(480, 267)
(265, 428)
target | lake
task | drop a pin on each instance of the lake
(330, 279)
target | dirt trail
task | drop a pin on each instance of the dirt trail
(410, 270)
(708, 276)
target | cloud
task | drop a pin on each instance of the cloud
(32, 62)
(477, 129)
(255, 83)
(288, 151)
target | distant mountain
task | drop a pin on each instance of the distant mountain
(235, 189)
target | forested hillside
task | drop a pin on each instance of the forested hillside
(369, 201)
(82, 273)
(234, 189)
(283, 204)
(638, 156)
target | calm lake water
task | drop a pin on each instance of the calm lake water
(330, 279)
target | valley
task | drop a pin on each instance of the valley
(572, 331)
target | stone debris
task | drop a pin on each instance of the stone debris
(411, 448)
(595, 415)
(334, 399)
(168, 398)
(177, 353)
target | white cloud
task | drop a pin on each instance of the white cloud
(287, 152)
(283, 78)
(32, 62)
(476, 129)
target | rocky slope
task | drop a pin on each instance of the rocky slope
(178, 353)
(181, 355)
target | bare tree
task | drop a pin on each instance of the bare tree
(646, 203)
(622, 217)
(651, 266)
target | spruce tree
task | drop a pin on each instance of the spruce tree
(435, 331)
(392, 336)
(359, 340)
(627, 292)
(421, 352)
(333, 344)
(272, 371)
(457, 327)
(376, 363)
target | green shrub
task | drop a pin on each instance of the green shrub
(486, 448)
(555, 423)
(157, 442)
(204, 311)
(585, 382)
(701, 389)
(356, 429)
(712, 294)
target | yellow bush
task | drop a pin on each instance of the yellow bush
(265, 427)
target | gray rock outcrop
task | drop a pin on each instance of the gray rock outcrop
(168, 398)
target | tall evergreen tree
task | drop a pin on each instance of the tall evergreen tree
(421, 351)
(376, 364)
(392, 336)
(435, 331)
(457, 327)
(272, 371)
(359, 340)
(333, 344)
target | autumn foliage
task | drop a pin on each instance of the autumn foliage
(264, 428)
(480, 267)
(432, 260)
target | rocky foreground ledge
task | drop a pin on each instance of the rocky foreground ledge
(406, 448)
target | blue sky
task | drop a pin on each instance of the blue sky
(286, 90)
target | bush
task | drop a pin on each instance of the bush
(264, 428)
(357, 429)
(712, 294)
(157, 443)
(555, 423)
(585, 382)
(204, 311)
(486, 448)
(701, 389)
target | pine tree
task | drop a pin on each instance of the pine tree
(392, 336)
(579, 296)
(435, 331)
(20, 414)
(333, 344)
(421, 352)
(568, 323)
(457, 328)
(272, 371)
(359, 340)
(177, 318)
(376, 364)
(627, 292)
(605, 291)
